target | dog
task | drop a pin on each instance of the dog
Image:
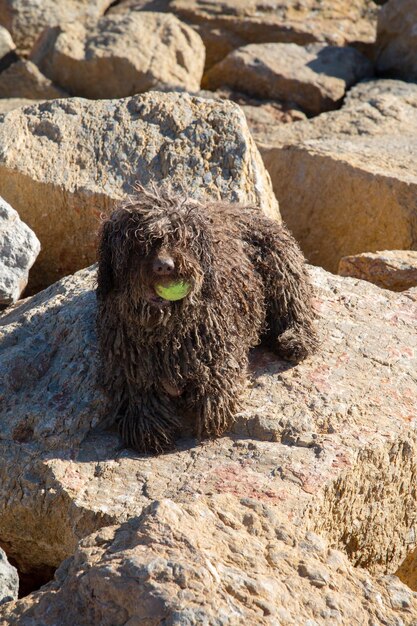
(184, 290)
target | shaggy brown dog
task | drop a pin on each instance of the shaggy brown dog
(163, 360)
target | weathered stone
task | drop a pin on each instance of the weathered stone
(330, 444)
(26, 19)
(337, 22)
(396, 44)
(24, 80)
(211, 561)
(391, 269)
(8, 104)
(347, 180)
(19, 248)
(122, 55)
(63, 162)
(9, 580)
(261, 115)
(227, 25)
(314, 77)
(6, 43)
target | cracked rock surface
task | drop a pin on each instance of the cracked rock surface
(65, 162)
(218, 561)
(346, 180)
(328, 446)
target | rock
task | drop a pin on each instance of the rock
(351, 411)
(7, 45)
(314, 77)
(391, 269)
(261, 115)
(9, 580)
(64, 162)
(228, 24)
(211, 561)
(8, 104)
(26, 19)
(122, 55)
(346, 180)
(24, 80)
(396, 47)
(19, 248)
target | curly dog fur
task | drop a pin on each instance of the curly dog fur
(163, 361)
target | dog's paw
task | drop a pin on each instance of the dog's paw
(144, 435)
(293, 346)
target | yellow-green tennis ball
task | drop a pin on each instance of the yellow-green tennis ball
(173, 291)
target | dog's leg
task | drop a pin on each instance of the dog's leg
(149, 423)
(278, 259)
(213, 405)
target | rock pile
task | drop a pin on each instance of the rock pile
(305, 513)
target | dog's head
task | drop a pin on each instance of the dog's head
(158, 238)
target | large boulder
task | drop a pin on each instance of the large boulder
(220, 561)
(330, 444)
(64, 162)
(391, 269)
(347, 180)
(19, 248)
(314, 77)
(26, 19)
(396, 44)
(122, 55)
(24, 80)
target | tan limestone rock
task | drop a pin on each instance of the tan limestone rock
(220, 560)
(63, 162)
(24, 80)
(26, 19)
(8, 104)
(314, 77)
(261, 115)
(391, 269)
(228, 23)
(7, 44)
(330, 444)
(122, 55)
(396, 44)
(347, 180)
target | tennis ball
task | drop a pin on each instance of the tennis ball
(174, 291)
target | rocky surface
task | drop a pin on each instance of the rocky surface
(64, 162)
(227, 25)
(310, 443)
(221, 560)
(396, 43)
(314, 77)
(122, 55)
(9, 580)
(19, 248)
(391, 269)
(24, 80)
(261, 115)
(26, 19)
(346, 180)
(6, 43)
(8, 104)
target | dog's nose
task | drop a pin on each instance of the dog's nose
(163, 265)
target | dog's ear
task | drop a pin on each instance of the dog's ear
(105, 275)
